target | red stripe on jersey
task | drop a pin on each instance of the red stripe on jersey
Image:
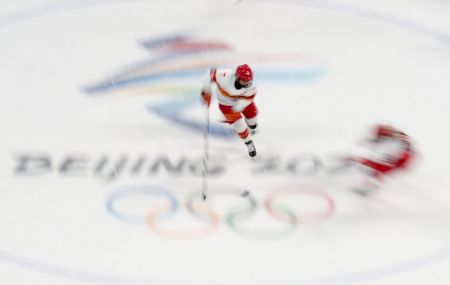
(212, 73)
(244, 134)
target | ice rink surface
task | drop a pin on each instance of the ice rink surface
(101, 143)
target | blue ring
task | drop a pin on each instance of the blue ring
(129, 191)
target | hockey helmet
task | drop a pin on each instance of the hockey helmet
(244, 73)
(384, 131)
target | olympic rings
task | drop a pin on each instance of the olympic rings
(259, 233)
(185, 234)
(280, 220)
(313, 217)
(228, 192)
(125, 191)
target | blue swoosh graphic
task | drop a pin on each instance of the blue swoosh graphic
(298, 75)
(173, 112)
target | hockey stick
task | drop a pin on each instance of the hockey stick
(205, 155)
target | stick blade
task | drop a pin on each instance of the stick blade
(245, 193)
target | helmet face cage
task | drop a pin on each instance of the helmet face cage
(243, 83)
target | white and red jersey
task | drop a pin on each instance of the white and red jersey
(391, 150)
(221, 82)
(389, 153)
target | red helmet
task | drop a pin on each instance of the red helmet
(244, 72)
(384, 131)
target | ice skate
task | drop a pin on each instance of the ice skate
(251, 148)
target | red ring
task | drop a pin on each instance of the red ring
(314, 217)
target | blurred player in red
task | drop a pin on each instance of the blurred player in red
(391, 150)
(235, 91)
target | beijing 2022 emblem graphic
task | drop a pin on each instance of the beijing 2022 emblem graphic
(178, 65)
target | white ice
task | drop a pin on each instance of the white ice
(375, 61)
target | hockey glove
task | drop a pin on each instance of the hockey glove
(206, 98)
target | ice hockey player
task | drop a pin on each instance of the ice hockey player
(235, 92)
(391, 150)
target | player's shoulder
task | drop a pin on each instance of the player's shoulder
(224, 73)
(251, 90)
(225, 77)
